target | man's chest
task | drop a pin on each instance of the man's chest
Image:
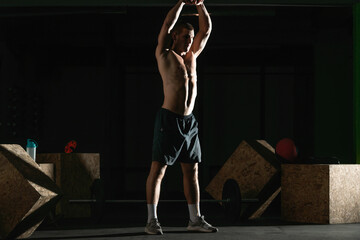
(185, 63)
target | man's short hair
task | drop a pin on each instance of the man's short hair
(180, 25)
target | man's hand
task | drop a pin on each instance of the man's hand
(193, 2)
(199, 2)
(189, 2)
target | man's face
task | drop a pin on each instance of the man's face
(183, 40)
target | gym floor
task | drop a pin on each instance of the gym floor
(128, 221)
(279, 232)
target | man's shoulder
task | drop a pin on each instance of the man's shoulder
(162, 53)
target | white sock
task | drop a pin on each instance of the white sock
(151, 211)
(194, 211)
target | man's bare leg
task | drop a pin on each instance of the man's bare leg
(192, 194)
(153, 185)
(191, 188)
(153, 182)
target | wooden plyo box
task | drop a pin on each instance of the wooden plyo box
(75, 174)
(320, 193)
(27, 194)
(48, 169)
(254, 167)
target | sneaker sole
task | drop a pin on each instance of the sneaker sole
(198, 229)
(153, 233)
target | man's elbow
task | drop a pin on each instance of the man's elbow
(209, 26)
(206, 31)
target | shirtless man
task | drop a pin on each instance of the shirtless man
(176, 129)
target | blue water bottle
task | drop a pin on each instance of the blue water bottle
(31, 148)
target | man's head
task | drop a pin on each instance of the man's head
(182, 36)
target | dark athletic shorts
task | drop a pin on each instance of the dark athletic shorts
(175, 137)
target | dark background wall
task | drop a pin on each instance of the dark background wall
(86, 75)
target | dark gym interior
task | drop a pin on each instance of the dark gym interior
(89, 73)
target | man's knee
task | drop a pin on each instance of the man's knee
(190, 171)
(157, 170)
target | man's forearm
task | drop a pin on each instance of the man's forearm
(205, 24)
(173, 15)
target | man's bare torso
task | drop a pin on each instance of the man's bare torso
(179, 81)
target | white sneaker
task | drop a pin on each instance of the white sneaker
(200, 225)
(153, 227)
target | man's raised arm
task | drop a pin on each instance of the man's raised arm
(168, 24)
(205, 26)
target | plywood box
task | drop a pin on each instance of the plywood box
(254, 167)
(48, 169)
(75, 174)
(27, 195)
(321, 193)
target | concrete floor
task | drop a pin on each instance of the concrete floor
(127, 222)
(278, 232)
